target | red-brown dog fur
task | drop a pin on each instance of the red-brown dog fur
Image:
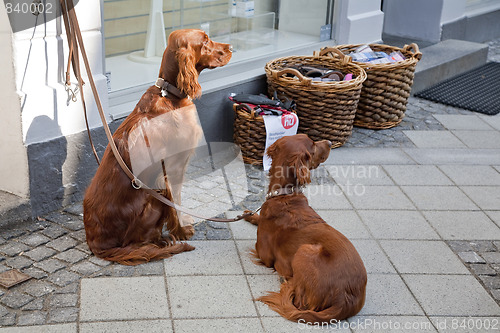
(325, 276)
(124, 224)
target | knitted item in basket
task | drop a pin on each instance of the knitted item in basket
(385, 92)
(326, 110)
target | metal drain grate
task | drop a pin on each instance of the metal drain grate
(11, 278)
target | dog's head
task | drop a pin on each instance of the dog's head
(192, 51)
(294, 156)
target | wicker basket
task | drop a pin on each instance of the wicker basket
(386, 90)
(326, 110)
(249, 133)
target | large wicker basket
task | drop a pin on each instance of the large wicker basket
(249, 133)
(326, 110)
(386, 90)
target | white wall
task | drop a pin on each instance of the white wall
(40, 61)
(13, 158)
(358, 21)
(421, 19)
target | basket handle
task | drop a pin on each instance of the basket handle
(248, 108)
(416, 52)
(333, 50)
(302, 78)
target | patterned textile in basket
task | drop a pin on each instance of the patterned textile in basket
(386, 90)
(326, 110)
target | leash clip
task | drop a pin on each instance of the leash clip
(70, 92)
(136, 184)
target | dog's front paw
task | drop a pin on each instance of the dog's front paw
(185, 232)
(186, 220)
(251, 218)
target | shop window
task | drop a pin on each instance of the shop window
(133, 30)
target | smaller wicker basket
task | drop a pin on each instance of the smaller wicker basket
(249, 133)
(326, 110)
(385, 92)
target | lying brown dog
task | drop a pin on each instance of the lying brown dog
(325, 276)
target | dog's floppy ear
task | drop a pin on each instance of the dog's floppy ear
(272, 150)
(301, 163)
(187, 79)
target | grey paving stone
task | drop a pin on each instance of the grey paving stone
(37, 288)
(31, 318)
(472, 174)
(373, 257)
(50, 265)
(417, 175)
(8, 320)
(150, 326)
(54, 231)
(464, 324)
(460, 246)
(359, 174)
(63, 315)
(137, 297)
(423, 257)
(202, 297)
(150, 268)
(63, 300)
(491, 257)
(326, 197)
(99, 261)
(374, 324)
(397, 224)
(35, 273)
(479, 139)
(486, 197)
(62, 243)
(345, 221)
(71, 256)
(66, 221)
(462, 122)
(380, 299)
(15, 300)
(63, 278)
(34, 240)
(473, 225)
(13, 248)
(261, 285)
(18, 262)
(471, 258)
(85, 268)
(206, 260)
(451, 295)
(482, 269)
(434, 139)
(379, 197)
(219, 325)
(36, 304)
(490, 282)
(40, 253)
(454, 156)
(439, 198)
(368, 156)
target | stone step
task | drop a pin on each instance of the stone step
(13, 209)
(447, 59)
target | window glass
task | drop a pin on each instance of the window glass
(135, 31)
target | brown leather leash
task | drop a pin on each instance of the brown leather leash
(74, 36)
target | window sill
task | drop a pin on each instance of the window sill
(123, 101)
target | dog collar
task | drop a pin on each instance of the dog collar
(285, 191)
(168, 88)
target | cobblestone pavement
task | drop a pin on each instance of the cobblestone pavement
(440, 223)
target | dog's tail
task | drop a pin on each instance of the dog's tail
(138, 254)
(282, 303)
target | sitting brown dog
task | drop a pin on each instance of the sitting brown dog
(325, 276)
